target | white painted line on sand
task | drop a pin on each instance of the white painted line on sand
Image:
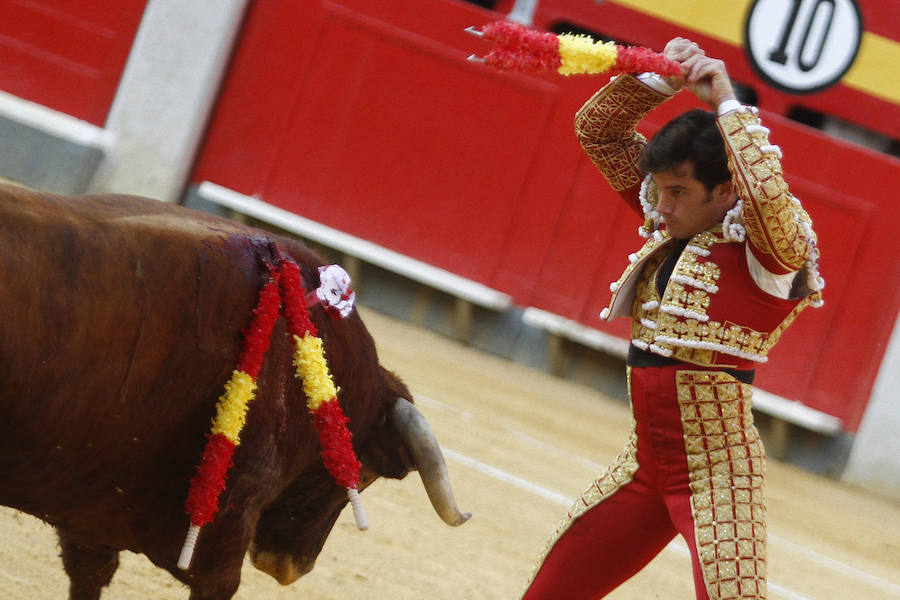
(501, 475)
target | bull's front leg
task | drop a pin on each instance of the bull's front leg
(215, 571)
(218, 583)
(217, 594)
(90, 569)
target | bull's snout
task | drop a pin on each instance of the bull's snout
(282, 567)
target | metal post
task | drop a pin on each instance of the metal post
(523, 12)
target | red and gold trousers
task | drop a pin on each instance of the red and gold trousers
(694, 465)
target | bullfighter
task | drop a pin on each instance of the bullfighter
(730, 260)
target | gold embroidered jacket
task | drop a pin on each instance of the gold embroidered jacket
(712, 311)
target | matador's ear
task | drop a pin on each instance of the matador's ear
(725, 193)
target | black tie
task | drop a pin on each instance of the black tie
(665, 271)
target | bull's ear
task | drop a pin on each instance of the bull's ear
(429, 459)
(394, 387)
(383, 451)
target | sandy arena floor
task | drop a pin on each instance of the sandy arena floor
(520, 446)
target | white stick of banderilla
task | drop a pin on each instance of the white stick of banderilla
(187, 551)
(358, 513)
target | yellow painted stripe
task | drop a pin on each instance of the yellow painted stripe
(720, 20)
(873, 72)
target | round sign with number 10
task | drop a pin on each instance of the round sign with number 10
(803, 46)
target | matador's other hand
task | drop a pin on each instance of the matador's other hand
(708, 79)
(679, 50)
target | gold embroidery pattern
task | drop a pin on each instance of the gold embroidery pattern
(695, 301)
(691, 304)
(646, 292)
(617, 474)
(605, 126)
(620, 472)
(726, 462)
(726, 337)
(678, 323)
(700, 269)
(771, 214)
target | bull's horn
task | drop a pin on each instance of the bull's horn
(423, 446)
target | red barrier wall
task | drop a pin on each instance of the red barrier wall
(67, 55)
(364, 115)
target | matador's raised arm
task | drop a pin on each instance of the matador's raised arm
(778, 228)
(605, 126)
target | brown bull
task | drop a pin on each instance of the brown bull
(121, 321)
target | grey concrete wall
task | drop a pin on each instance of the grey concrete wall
(170, 83)
(875, 458)
(43, 160)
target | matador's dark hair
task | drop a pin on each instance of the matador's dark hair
(692, 136)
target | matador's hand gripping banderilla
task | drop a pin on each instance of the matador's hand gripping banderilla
(518, 48)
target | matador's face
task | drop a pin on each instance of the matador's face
(686, 206)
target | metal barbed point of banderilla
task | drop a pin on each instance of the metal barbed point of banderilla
(477, 33)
